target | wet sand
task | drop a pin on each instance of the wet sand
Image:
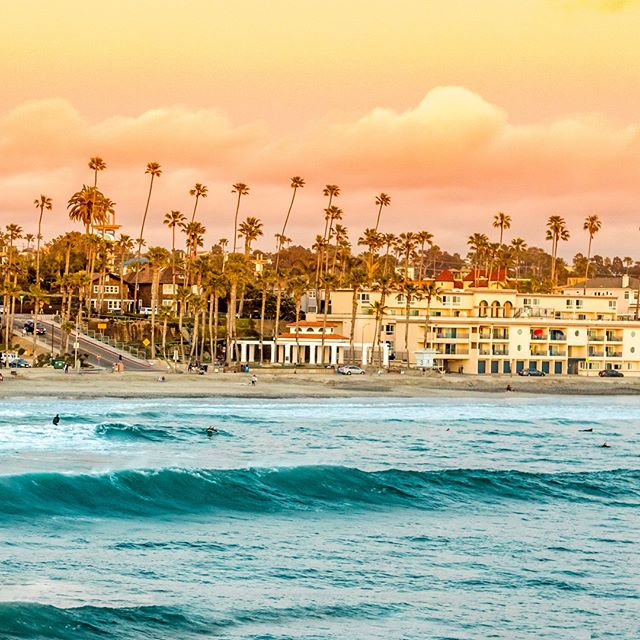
(286, 384)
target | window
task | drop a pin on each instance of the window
(167, 289)
(111, 288)
(453, 301)
(363, 297)
(167, 303)
(626, 295)
(389, 329)
(569, 303)
(113, 304)
(579, 304)
(612, 304)
(531, 302)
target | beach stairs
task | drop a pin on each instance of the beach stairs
(118, 346)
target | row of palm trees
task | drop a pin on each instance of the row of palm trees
(335, 266)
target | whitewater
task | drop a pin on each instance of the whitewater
(442, 518)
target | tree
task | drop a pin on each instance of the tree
(556, 231)
(42, 203)
(411, 292)
(592, 225)
(501, 221)
(172, 220)
(406, 245)
(478, 244)
(242, 190)
(250, 230)
(199, 191)
(89, 206)
(296, 183)
(96, 163)
(158, 258)
(382, 200)
(37, 296)
(519, 246)
(154, 170)
(124, 246)
(423, 237)
(373, 241)
(430, 291)
(357, 280)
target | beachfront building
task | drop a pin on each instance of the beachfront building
(485, 330)
(626, 290)
(109, 294)
(314, 343)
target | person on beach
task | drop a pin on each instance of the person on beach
(509, 387)
(254, 379)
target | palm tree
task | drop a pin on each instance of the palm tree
(237, 272)
(357, 280)
(250, 229)
(406, 245)
(592, 225)
(154, 170)
(265, 282)
(382, 200)
(298, 286)
(199, 191)
(242, 190)
(29, 238)
(501, 221)
(334, 213)
(37, 296)
(296, 183)
(373, 241)
(423, 237)
(42, 203)
(411, 292)
(430, 291)
(89, 206)
(96, 164)
(330, 282)
(172, 220)
(331, 191)
(519, 246)
(379, 310)
(158, 258)
(478, 244)
(124, 246)
(556, 231)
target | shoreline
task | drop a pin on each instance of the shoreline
(35, 383)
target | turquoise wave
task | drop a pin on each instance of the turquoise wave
(174, 491)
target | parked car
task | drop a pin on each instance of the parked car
(611, 373)
(534, 373)
(19, 363)
(349, 369)
(28, 328)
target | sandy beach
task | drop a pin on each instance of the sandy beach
(285, 384)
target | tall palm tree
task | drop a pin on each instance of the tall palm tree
(238, 273)
(423, 237)
(409, 292)
(96, 163)
(199, 191)
(382, 200)
(556, 231)
(37, 296)
(592, 225)
(158, 258)
(379, 311)
(330, 282)
(519, 246)
(172, 220)
(296, 183)
(331, 191)
(42, 203)
(373, 241)
(357, 280)
(124, 246)
(430, 291)
(406, 245)
(501, 221)
(478, 244)
(29, 238)
(334, 213)
(298, 286)
(250, 230)
(242, 190)
(155, 171)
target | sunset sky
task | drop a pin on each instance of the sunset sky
(457, 109)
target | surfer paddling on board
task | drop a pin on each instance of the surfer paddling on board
(211, 430)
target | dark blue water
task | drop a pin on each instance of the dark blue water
(435, 518)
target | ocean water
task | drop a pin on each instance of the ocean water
(437, 518)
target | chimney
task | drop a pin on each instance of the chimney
(625, 280)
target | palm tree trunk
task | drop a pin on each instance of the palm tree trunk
(277, 318)
(144, 219)
(263, 307)
(216, 303)
(586, 271)
(154, 302)
(407, 311)
(352, 330)
(210, 321)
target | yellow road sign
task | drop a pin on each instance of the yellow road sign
(146, 342)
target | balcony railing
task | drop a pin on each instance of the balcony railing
(614, 354)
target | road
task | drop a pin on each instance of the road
(100, 355)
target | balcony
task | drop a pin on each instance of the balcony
(595, 353)
(595, 337)
(539, 335)
(500, 334)
(454, 350)
(612, 353)
(451, 334)
(500, 351)
(557, 353)
(613, 336)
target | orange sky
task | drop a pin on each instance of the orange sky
(457, 109)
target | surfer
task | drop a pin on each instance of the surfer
(604, 445)
(589, 430)
(56, 420)
(211, 430)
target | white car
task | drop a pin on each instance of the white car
(349, 369)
